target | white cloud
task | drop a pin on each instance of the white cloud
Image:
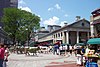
(57, 6)
(21, 2)
(40, 17)
(25, 8)
(51, 21)
(49, 9)
(66, 15)
(22, 6)
(62, 23)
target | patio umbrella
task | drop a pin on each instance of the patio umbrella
(65, 44)
(80, 44)
(94, 41)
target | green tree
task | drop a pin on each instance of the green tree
(16, 21)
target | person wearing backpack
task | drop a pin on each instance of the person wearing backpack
(82, 53)
(78, 52)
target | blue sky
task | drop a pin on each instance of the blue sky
(58, 12)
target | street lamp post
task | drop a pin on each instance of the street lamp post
(27, 37)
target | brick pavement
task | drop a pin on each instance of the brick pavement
(42, 60)
(66, 64)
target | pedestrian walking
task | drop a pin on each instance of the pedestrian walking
(79, 57)
(70, 49)
(82, 53)
(2, 52)
(6, 56)
(55, 49)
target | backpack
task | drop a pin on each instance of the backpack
(83, 50)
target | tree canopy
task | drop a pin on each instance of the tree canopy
(19, 23)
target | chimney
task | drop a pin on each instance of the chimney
(65, 24)
(78, 18)
(50, 28)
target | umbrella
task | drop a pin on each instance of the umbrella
(94, 41)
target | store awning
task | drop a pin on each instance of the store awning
(65, 44)
(80, 44)
(94, 41)
(32, 43)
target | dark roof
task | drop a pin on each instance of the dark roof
(95, 11)
(72, 24)
(43, 30)
(67, 26)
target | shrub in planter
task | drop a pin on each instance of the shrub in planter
(33, 50)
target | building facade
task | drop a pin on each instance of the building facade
(53, 27)
(5, 4)
(77, 32)
(95, 23)
(40, 33)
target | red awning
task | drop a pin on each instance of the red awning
(57, 43)
(44, 43)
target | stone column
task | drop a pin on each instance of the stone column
(54, 38)
(92, 30)
(63, 39)
(67, 37)
(92, 26)
(60, 35)
(88, 35)
(77, 36)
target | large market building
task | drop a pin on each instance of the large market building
(77, 32)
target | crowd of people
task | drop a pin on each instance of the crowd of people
(79, 52)
(57, 49)
(4, 53)
(62, 49)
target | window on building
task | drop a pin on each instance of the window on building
(82, 24)
(56, 35)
